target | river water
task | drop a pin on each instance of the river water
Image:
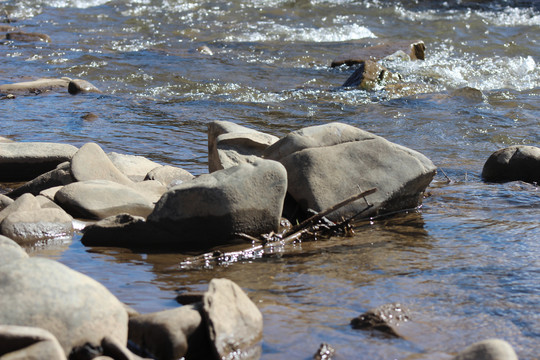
(466, 264)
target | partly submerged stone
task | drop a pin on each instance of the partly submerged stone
(230, 144)
(91, 163)
(491, 349)
(412, 49)
(385, 319)
(98, 199)
(77, 310)
(30, 226)
(79, 86)
(212, 208)
(518, 162)
(27, 36)
(369, 75)
(35, 86)
(22, 161)
(329, 163)
(167, 334)
(32, 343)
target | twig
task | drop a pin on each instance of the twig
(446, 176)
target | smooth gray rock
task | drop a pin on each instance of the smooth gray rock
(39, 292)
(327, 164)
(91, 163)
(10, 251)
(491, 349)
(133, 166)
(23, 203)
(46, 203)
(57, 177)
(35, 86)
(413, 49)
(28, 343)
(30, 226)
(385, 318)
(22, 161)
(79, 86)
(210, 209)
(230, 144)
(50, 193)
(165, 334)
(235, 324)
(98, 199)
(518, 162)
(5, 201)
(152, 190)
(167, 174)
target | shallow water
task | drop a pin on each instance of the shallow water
(467, 263)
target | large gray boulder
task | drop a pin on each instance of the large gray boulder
(518, 162)
(76, 309)
(22, 161)
(210, 209)
(491, 349)
(329, 163)
(91, 163)
(30, 226)
(230, 144)
(31, 343)
(10, 251)
(61, 175)
(166, 334)
(98, 199)
(133, 166)
(234, 322)
(168, 175)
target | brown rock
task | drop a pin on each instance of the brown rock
(369, 75)
(27, 37)
(414, 49)
(385, 318)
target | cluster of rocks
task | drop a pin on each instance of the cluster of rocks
(146, 204)
(52, 312)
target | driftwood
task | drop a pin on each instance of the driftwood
(311, 226)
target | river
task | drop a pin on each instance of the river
(466, 264)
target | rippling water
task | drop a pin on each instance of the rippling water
(467, 263)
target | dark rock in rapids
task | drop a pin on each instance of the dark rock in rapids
(329, 163)
(22, 161)
(230, 144)
(23, 342)
(30, 226)
(79, 86)
(369, 75)
(491, 349)
(235, 324)
(413, 49)
(57, 177)
(325, 352)
(35, 87)
(27, 37)
(518, 162)
(98, 199)
(77, 310)
(91, 163)
(211, 209)
(169, 175)
(168, 334)
(10, 251)
(386, 319)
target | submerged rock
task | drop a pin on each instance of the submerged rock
(230, 144)
(329, 163)
(386, 319)
(518, 162)
(415, 50)
(35, 87)
(27, 37)
(22, 161)
(77, 310)
(235, 324)
(23, 342)
(491, 349)
(212, 208)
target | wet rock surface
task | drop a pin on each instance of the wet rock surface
(517, 162)
(385, 319)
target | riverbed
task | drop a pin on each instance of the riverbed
(466, 263)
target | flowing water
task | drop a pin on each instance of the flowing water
(466, 264)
